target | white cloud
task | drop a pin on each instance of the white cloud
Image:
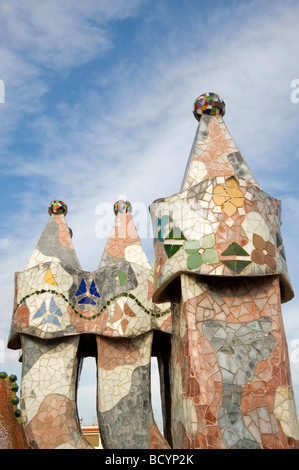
(42, 41)
(59, 35)
(4, 243)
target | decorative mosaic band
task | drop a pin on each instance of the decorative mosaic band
(94, 316)
(223, 227)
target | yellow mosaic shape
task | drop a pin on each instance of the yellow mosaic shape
(49, 279)
(228, 196)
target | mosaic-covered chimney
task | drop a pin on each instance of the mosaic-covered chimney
(219, 260)
(210, 310)
(63, 314)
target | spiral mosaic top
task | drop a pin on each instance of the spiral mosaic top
(208, 103)
(57, 207)
(122, 206)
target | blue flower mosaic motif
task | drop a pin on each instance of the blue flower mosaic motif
(82, 288)
(86, 299)
(51, 317)
(93, 290)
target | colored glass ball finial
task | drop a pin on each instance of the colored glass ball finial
(208, 103)
(57, 208)
(122, 207)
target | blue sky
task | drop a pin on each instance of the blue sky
(98, 104)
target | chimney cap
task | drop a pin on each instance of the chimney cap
(208, 103)
(57, 208)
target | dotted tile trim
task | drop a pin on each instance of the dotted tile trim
(93, 317)
(14, 398)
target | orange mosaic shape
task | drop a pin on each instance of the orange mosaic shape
(228, 196)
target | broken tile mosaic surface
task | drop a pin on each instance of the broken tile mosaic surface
(210, 310)
(216, 199)
(56, 302)
(230, 369)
